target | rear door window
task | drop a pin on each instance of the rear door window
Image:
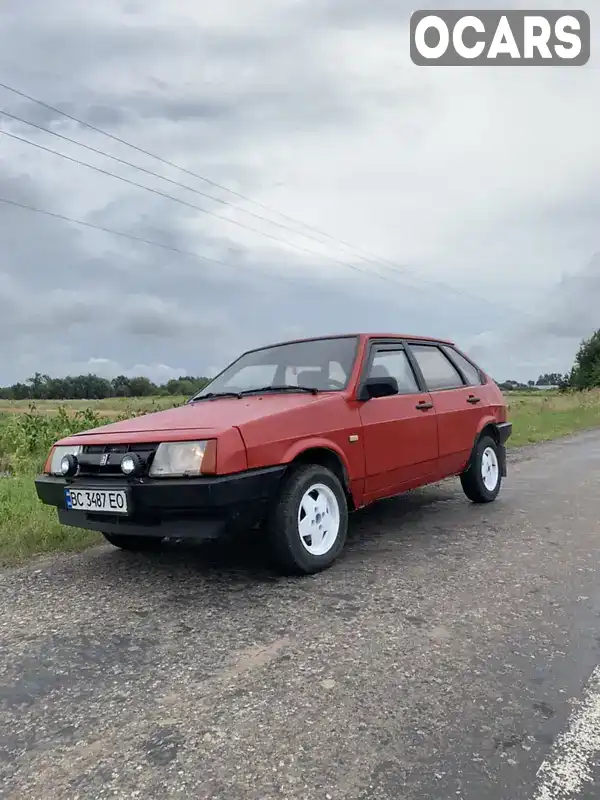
(438, 371)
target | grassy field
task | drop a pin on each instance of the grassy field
(110, 407)
(29, 528)
(549, 415)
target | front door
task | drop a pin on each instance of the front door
(400, 431)
(458, 408)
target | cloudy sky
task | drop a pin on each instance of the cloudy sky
(459, 202)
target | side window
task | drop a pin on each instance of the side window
(470, 371)
(437, 370)
(395, 363)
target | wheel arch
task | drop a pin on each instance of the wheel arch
(488, 427)
(325, 455)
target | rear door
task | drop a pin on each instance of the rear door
(400, 431)
(459, 408)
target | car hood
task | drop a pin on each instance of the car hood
(205, 415)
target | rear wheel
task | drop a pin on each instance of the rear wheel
(307, 527)
(133, 543)
(482, 480)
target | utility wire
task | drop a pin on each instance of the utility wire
(195, 207)
(132, 237)
(163, 160)
(373, 258)
(206, 180)
(157, 175)
(189, 188)
(354, 267)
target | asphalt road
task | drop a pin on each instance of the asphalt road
(450, 653)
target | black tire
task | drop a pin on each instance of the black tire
(282, 528)
(133, 543)
(472, 478)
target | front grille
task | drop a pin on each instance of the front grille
(92, 457)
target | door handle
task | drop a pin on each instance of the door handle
(424, 405)
(472, 399)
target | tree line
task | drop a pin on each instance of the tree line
(585, 374)
(547, 379)
(93, 387)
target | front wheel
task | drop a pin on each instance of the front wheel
(307, 527)
(133, 543)
(482, 480)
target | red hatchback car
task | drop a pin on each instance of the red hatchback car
(289, 438)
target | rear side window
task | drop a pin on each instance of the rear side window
(437, 369)
(394, 363)
(470, 371)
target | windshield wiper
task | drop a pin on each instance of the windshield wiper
(211, 395)
(281, 388)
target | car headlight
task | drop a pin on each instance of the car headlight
(175, 459)
(59, 453)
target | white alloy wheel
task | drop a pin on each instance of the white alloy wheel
(490, 469)
(318, 519)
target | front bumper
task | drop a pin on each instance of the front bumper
(182, 508)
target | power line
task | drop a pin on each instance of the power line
(235, 222)
(157, 175)
(195, 207)
(189, 188)
(160, 159)
(370, 257)
(132, 237)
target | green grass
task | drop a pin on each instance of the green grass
(29, 528)
(112, 406)
(549, 415)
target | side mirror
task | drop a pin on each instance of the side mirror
(378, 387)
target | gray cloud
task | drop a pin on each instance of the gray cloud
(313, 108)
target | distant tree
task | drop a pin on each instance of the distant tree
(142, 387)
(549, 379)
(120, 386)
(585, 373)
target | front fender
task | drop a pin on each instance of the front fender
(352, 463)
(297, 448)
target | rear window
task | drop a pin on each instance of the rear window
(469, 370)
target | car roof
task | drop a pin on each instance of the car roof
(363, 335)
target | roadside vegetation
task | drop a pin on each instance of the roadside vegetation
(27, 430)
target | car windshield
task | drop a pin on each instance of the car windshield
(321, 364)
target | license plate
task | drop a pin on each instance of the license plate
(108, 501)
